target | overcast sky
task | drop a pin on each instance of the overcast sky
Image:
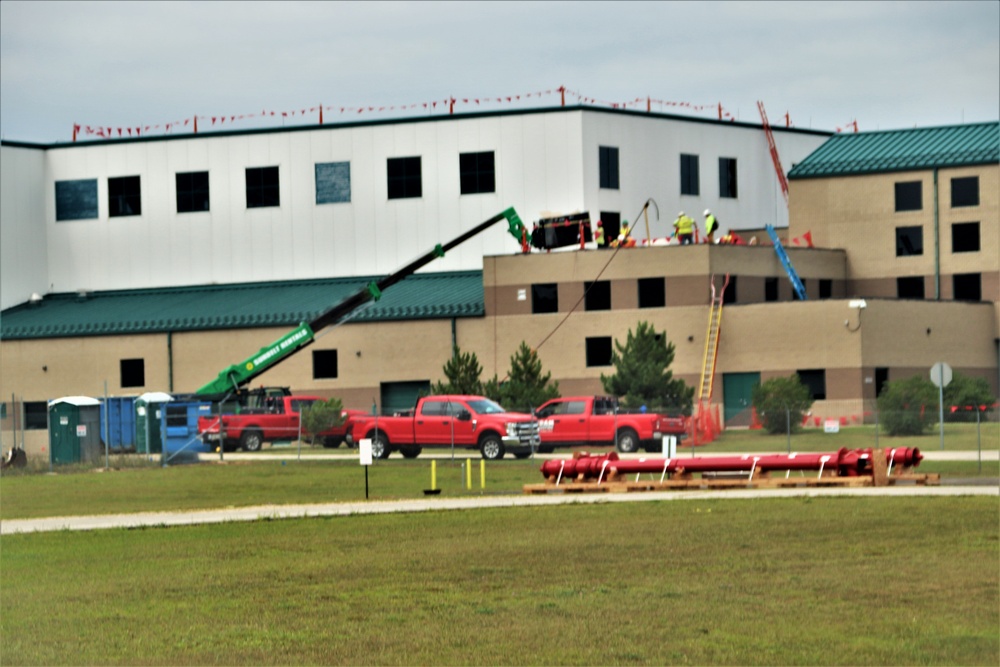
(149, 64)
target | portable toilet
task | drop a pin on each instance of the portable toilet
(180, 429)
(74, 429)
(148, 422)
(118, 423)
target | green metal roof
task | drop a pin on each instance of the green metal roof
(240, 306)
(902, 150)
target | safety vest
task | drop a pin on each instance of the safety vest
(711, 224)
(600, 236)
(684, 225)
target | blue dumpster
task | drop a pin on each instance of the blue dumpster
(180, 428)
(118, 423)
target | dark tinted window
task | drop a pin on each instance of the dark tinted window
(404, 180)
(133, 372)
(652, 292)
(965, 191)
(608, 157)
(612, 223)
(910, 287)
(544, 298)
(689, 175)
(324, 364)
(909, 196)
(727, 178)
(770, 289)
(333, 182)
(192, 191)
(825, 288)
(729, 296)
(599, 351)
(909, 241)
(76, 200)
(815, 380)
(124, 196)
(477, 173)
(36, 415)
(598, 295)
(967, 286)
(965, 237)
(262, 187)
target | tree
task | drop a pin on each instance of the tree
(908, 407)
(526, 387)
(781, 403)
(642, 372)
(321, 416)
(966, 392)
(462, 371)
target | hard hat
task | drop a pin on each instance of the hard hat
(625, 222)
(681, 214)
(600, 224)
(707, 212)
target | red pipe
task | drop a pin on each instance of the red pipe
(846, 463)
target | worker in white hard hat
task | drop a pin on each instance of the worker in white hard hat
(711, 224)
(684, 229)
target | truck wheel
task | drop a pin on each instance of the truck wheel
(410, 452)
(380, 447)
(252, 440)
(628, 441)
(491, 447)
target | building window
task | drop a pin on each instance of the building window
(404, 177)
(965, 237)
(133, 372)
(881, 377)
(608, 157)
(124, 197)
(597, 295)
(689, 175)
(729, 296)
(815, 380)
(262, 187)
(727, 177)
(324, 364)
(599, 351)
(544, 298)
(333, 182)
(770, 289)
(652, 292)
(477, 173)
(192, 191)
(795, 292)
(76, 200)
(36, 415)
(967, 286)
(910, 287)
(825, 288)
(965, 191)
(909, 241)
(909, 196)
(611, 222)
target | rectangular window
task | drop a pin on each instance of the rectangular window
(608, 157)
(133, 372)
(544, 298)
(404, 179)
(324, 364)
(333, 182)
(815, 380)
(881, 377)
(825, 288)
(909, 196)
(611, 222)
(124, 197)
(597, 295)
(599, 351)
(652, 292)
(262, 187)
(910, 287)
(770, 289)
(967, 286)
(727, 178)
(965, 191)
(477, 173)
(36, 415)
(729, 296)
(965, 237)
(76, 200)
(909, 241)
(192, 191)
(689, 175)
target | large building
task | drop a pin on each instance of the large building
(163, 299)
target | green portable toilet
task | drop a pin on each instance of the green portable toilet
(149, 415)
(74, 429)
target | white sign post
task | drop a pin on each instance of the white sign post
(941, 377)
(365, 458)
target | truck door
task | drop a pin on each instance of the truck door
(433, 423)
(603, 421)
(564, 422)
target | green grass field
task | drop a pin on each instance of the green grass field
(831, 581)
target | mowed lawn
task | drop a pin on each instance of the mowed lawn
(824, 581)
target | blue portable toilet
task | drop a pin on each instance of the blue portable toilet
(179, 432)
(118, 423)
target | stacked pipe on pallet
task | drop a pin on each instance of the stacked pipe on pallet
(843, 462)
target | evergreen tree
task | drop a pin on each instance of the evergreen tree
(462, 372)
(527, 388)
(321, 416)
(642, 373)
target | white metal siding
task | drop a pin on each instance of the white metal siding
(23, 261)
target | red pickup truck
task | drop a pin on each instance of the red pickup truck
(598, 421)
(278, 419)
(467, 422)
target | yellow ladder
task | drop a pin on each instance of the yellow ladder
(712, 341)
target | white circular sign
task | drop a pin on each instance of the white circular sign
(941, 374)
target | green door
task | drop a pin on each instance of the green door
(737, 391)
(400, 396)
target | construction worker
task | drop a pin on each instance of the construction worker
(711, 224)
(599, 237)
(684, 229)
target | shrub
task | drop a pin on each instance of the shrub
(964, 391)
(781, 403)
(908, 407)
(321, 416)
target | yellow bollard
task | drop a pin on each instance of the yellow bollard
(482, 473)
(434, 474)
(468, 474)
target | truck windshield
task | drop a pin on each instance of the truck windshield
(484, 406)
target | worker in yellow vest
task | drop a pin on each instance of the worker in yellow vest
(684, 229)
(599, 237)
(711, 224)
